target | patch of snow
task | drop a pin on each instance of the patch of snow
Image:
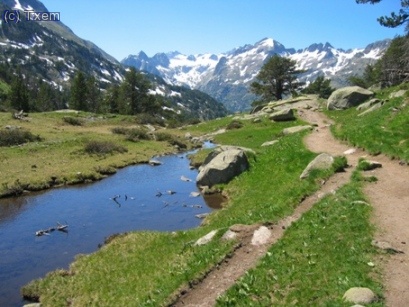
(173, 94)
(105, 72)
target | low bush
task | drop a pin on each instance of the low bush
(171, 139)
(73, 121)
(103, 147)
(132, 134)
(11, 137)
(235, 124)
(148, 119)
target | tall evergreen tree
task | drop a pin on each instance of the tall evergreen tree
(19, 96)
(93, 95)
(277, 77)
(111, 102)
(45, 98)
(134, 93)
(79, 92)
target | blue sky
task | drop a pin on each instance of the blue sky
(124, 27)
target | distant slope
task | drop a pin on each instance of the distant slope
(51, 52)
(227, 76)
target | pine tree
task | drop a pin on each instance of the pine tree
(320, 86)
(134, 93)
(18, 96)
(93, 95)
(45, 97)
(79, 92)
(277, 77)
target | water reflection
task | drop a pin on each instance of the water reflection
(126, 201)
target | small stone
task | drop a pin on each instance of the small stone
(349, 151)
(261, 236)
(360, 295)
(269, 143)
(229, 235)
(206, 239)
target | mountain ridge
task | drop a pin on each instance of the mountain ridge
(50, 52)
(227, 76)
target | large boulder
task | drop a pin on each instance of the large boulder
(223, 168)
(283, 115)
(348, 97)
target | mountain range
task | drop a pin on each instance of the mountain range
(227, 76)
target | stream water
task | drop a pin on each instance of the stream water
(92, 215)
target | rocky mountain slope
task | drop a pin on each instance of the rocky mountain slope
(227, 76)
(51, 52)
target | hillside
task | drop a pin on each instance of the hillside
(50, 52)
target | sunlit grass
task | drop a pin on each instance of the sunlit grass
(321, 256)
(382, 131)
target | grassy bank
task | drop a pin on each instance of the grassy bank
(67, 149)
(319, 258)
(381, 131)
(147, 268)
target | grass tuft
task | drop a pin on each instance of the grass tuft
(103, 148)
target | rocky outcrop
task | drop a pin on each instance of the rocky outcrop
(348, 97)
(223, 167)
(283, 115)
(322, 161)
(296, 129)
(368, 104)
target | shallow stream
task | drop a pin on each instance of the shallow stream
(135, 198)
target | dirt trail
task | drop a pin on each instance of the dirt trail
(389, 197)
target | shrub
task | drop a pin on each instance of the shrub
(235, 124)
(103, 147)
(171, 139)
(134, 134)
(145, 119)
(12, 137)
(74, 121)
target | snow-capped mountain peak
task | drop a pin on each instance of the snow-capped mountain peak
(227, 76)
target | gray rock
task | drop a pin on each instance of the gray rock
(283, 115)
(202, 215)
(261, 236)
(229, 235)
(154, 162)
(360, 296)
(397, 94)
(348, 97)
(322, 161)
(371, 109)
(206, 239)
(269, 143)
(386, 246)
(350, 151)
(360, 202)
(296, 129)
(368, 104)
(223, 168)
